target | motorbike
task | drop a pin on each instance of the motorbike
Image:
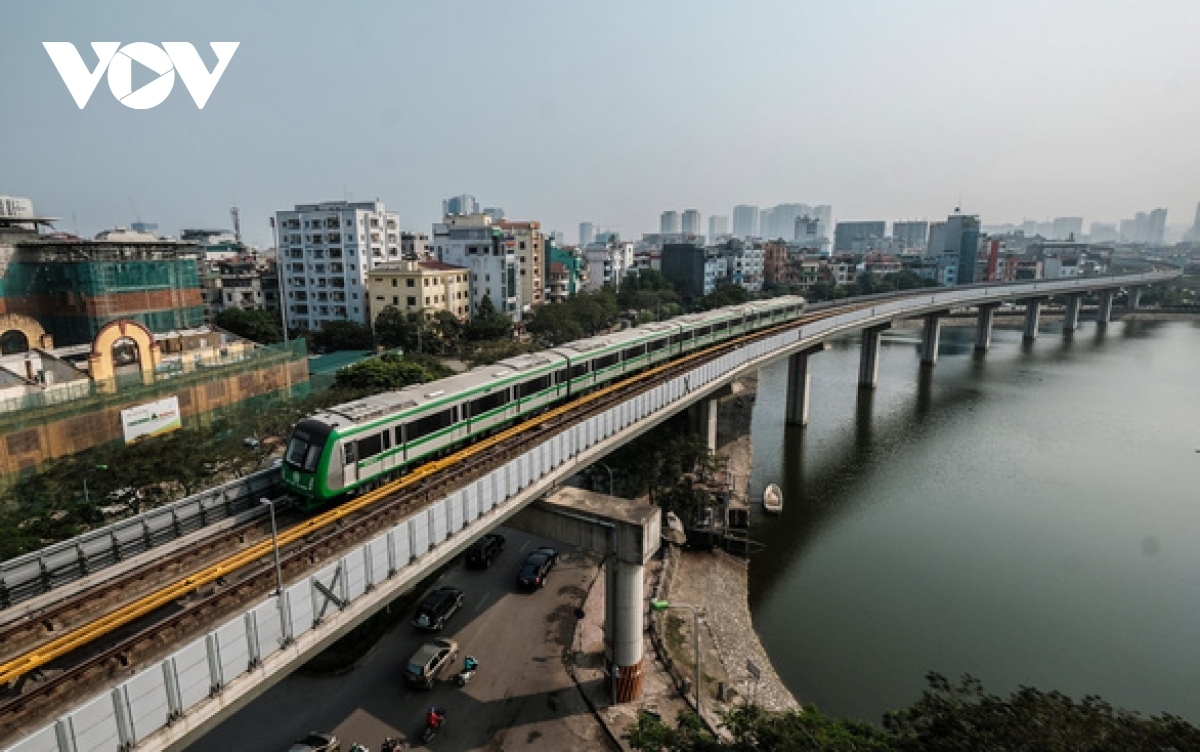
(391, 744)
(432, 729)
(468, 670)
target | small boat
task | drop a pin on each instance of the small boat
(773, 499)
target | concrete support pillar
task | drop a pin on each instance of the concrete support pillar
(1104, 309)
(1134, 296)
(868, 364)
(710, 423)
(930, 338)
(798, 385)
(1071, 314)
(1033, 316)
(983, 328)
(623, 626)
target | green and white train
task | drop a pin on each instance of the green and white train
(360, 445)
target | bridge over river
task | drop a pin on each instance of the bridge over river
(164, 660)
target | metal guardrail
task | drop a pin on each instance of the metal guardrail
(41, 571)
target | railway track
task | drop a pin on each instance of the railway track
(148, 627)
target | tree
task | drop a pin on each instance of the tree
(344, 335)
(488, 323)
(555, 323)
(394, 329)
(251, 323)
(389, 371)
(725, 295)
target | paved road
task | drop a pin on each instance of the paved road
(521, 698)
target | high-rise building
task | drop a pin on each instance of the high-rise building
(858, 237)
(326, 251)
(910, 235)
(684, 265)
(810, 235)
(745, 221)
(587, 233)
(460, 205)
(607, 263)
(691, 223)
(1102, 232)
(495, 212)
(529, 243)
(473, 242)
(668, 223)
(1066, 227)
(717, 226)
(1195, 236)
(1156, 228)
(955, 243)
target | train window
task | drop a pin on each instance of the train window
(605, 362)
(560, 377)
(422, 427)
(350, 450)
(578, 370)
(530, 388)
(387, 439)
(634, 352)
(721, 326)
(399, 435)
(701, 331)
(370, 446)
(657, 344)
(488, 402)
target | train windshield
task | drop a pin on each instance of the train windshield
(304, 448)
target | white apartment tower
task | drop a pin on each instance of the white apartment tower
(326, 251)
(668, 222)
(473, 241)
(691, 223)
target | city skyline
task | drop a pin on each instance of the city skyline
(1092, 135)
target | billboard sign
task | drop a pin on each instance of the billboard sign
(150, 419)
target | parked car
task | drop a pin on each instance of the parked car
(536, 568)
(429, 660)
(316, 742)
(437, 607)
(484, 551)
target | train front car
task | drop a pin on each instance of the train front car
(306, 462)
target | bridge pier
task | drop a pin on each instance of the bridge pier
(1104, 309)
(1133, 298)
(627, 534)
(868, 364)
(983, 327)
(1071, 313)
(1033, 317)
(798, 385)
(930, 338)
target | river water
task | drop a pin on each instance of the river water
(1030, 517)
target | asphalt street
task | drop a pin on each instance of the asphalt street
(520, 698)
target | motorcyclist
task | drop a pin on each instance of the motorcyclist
(435, 718)
(470, 664)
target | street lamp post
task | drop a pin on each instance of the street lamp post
(663, 606)
(87, 499)
(610, 477)
(270, 503)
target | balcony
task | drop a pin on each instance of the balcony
(339, 297)
(338, 283)
(331, 221)
(340, 311)
(336, 269)
(334, 237)
(335, 253)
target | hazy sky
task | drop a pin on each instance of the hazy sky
(565, 111)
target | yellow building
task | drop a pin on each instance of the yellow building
(416, 286)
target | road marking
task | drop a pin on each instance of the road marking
(479, 605)
(524, 546)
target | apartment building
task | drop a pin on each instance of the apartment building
(420, 287)
(530, 245)
(473, 242)
(326, 251)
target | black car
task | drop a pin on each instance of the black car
(316, 742)
(437, 608)
(484, 551)
(537, 566)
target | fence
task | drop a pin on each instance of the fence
(41, 571)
